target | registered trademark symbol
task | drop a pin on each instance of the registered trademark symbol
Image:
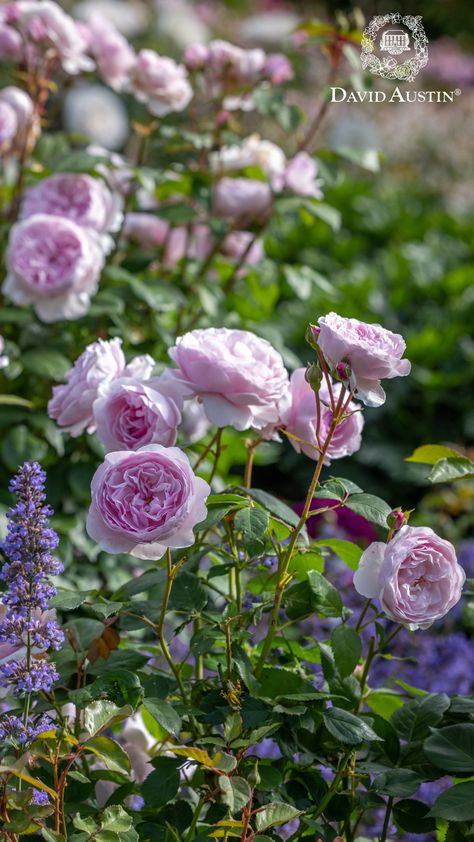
(458, 92)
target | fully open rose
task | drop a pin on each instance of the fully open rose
(416, 576)
(372, 352)
(146, 501)
(239, 377)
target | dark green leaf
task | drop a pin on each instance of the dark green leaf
(347, 649)
(448, 470)
(456, 804)
(374, 509)
(162, 785)
(164, 714)
(274, 814)
(347, 728)
(188, 593)
(253, 523)
(47, 363)
(399, 783)
(452, 748)
(413, 720)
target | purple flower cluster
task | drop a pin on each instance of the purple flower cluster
(27, 623)
(16, 732)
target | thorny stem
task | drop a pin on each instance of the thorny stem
(285, 561)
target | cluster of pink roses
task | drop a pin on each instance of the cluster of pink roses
(57, 250)
(146, 497)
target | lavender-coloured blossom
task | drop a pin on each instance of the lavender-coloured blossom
(40, 798)
(14, 731)
(28, 547)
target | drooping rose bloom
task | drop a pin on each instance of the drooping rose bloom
(146, 501)
(132, 414)
(372, 353)
(301, 176)
(239, 377)
(85, 200)
(3, 358)
(113, 54)
(27, 126)
(50, 32)
(242, 200)
(98, 365)
(416, 576)
(160, 83)
(299, 418)
(53, 264)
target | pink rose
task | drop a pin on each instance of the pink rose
(51, 32)
(146, 501)
(416, 576)
(27, 125)
(254, 152)
(300, 176)
(85, 200)
(112, 52)
(196, 56)
(11, 42)
(242, 245)
(160, 83)
(242, 200)
(239, 377)
(278, 69)
(299, 418)
(195, 243)
(372, 352)
(3, 359)
(8, 126)
(53, 264)
(194, 422)
(132, 414)
(71, 404)
(146, 229)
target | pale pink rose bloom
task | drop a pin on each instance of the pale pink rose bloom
(278, 69)
(3, 359)
(160, 83)
(83, 199)
(181, 242)
(28, 127)
(194, 422)
(11, 42)
(416, 576)
(100, 364)
(253, 152)
(53, 264)
(372, 352)
(140, 368)
(113, 54)
(145, 229)
(239, 377)
(238, 243)
(242, 200)
(8, 126)
(132, 414)
(196, 56)
(301, 176)
(299, 418)
(53, 33)
(146, 501)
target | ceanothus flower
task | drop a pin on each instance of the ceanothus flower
(53, 264)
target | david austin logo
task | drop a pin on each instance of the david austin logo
(397, 35)
(394, 47)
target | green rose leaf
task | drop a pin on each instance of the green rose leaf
(347, 648)
(347, 728)
(452, 748)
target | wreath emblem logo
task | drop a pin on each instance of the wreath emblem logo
(395, 41)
